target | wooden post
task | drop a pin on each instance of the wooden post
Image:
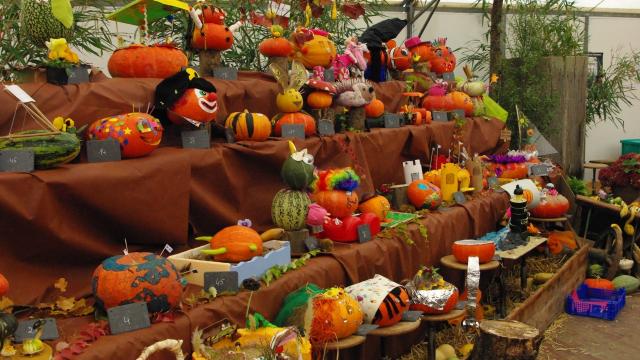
(297, 238)
(506, 340)
(357, 118)
(209, 59)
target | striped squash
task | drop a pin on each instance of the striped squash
(249, 126)
(289, 209)
(49, 150)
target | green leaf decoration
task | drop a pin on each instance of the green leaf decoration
(63, 11)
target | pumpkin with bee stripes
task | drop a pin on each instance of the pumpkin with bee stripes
(249, 126)
(382, 300)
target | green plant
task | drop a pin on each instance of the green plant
(613, 87)
(277, 271)
(577, 186)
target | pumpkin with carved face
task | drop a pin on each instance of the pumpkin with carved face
(138, 133)
(187, 98)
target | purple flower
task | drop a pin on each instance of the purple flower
(245, 223)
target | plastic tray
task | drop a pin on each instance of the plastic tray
(596, 303)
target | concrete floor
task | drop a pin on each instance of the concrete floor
(585, 338)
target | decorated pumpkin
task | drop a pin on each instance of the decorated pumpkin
(557, 241)
(422, 50)
(345, 229)
(463, 249)
(443, 64)
(139, 61)
(318, 50)
(212, 37)
(377, 205)
(187, 98)
(251, 343)
(275, 47)
(374, 109)
(462, 101)
(137, 133)
(234, 244)
(382, 300)
(430, 293)
(510, 170)
(424, 195)
(249, 126)
(4, 285)
(298, 170)
(137, 277)
(334, 190)
(294, 118)
(473, 87)
(552, 205)
(433, 177)
(321, 96)
(399, 57)
(289, 209)
(438, 103)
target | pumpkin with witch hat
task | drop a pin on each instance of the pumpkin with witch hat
(187, 98)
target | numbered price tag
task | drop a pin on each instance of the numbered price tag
(225, 73)
(448, 76)
(411, 316)
(493, 182)
(326, 128)
(103, 150)
(196, 139)
(539, 170)
(222, 281)
(364, 329)
(440, 116)
(391, 121)
(128, 317)
(459, 198)
(26, 330)
(293, 131)
(311, 243)
(17, 161)
(364, 233)
(457, 114)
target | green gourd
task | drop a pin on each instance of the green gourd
(289, 209)
(43, 20)
(49, 150)
(630, 283)
(298, 170)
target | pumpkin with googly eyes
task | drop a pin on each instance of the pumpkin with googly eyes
(298, 170)
(195, 104)
(137, 133)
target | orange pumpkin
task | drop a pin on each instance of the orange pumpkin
(249, 126)
(195, 104)
(138, 61)
(425, 50)
(137, 277)
(275, 47)
(212, 37)
(510, 171)
(599, 284)
(424, 195)
(319, 100)
(433, 177)
(426, 115)
(212, 14)
(557, 241)
(438, 103)
(378, 205)
(393, 306)
(552, 206)
(338, 203)
(294, 118)
(451, 303)
(374, 109)
(319, 51)
(462, 101)
(234, 244)
(463, 249)
(336, 315)
(137, 133)
(4, 285)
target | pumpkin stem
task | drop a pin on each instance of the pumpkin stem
(292, 148)
(204, 238)
(253, 247)
(218, 251)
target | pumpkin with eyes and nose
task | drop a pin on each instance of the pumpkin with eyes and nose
(196, 104)
(138, 133)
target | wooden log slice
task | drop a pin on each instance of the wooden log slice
(506, 340)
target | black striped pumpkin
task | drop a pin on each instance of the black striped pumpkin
(249, 126)
(392, 307)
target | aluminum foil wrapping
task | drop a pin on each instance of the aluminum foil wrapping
(434, 298)
(473, 284)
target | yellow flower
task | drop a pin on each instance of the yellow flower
(494, 78)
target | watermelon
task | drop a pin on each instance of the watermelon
(49, 150)
(630, 283)
(38, 23)
(289, 209)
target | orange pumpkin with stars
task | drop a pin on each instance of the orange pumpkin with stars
(138, 133)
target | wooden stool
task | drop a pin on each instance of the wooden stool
(346, 343)
(401, 328)
(544, 222)
(431, 320)
(595, 166)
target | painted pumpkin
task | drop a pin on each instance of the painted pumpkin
(433, 177)
(212, 37)
(382, 300)
(374, 109)
(275, 47)
(438, 103)
(346, 229)
(393, 306)
(289, 101)
(138, 133)
(249, 126)
(234, 244)
(603, 284)
(424, 195)
(336, 315)
(195, 104)
(289, 209)
(294, 118)
(138, 61)
(338, 203)
(552, 206)
(212, 14)
(377, 205)
(399, 59)
(443, 64)
(462, 101)
(298, 170)
(4, 285)
(449, 305)
(557, 241)
(319, 51)
(425, 50)
(463, 249)
(136, 277)
(319, 100)
(510, 171)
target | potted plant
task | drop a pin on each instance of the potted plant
(623, 177)
(63, 66)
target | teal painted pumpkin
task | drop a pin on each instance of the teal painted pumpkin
(289, 209)
(424, 195)
(297, 170)
(137, 277)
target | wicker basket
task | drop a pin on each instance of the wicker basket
(175, 346)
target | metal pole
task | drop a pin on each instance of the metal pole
(424, 27)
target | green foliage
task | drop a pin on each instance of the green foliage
(90, 35)
(277, 271)
(577, 186)
(612, 88)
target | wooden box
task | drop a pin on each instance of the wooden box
(275, 253)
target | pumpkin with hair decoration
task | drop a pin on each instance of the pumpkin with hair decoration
(334, 190)
(234, 243)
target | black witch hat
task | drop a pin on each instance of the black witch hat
(376, 36)
(172, 88)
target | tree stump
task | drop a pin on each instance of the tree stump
(296, 239)
(209, 59)
(506, 340)
(357, 118)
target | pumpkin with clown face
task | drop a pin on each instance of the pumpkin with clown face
(187, 99)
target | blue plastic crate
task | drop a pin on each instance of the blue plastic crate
(596, 303)
(630, 146)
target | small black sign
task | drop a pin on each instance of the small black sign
(448, 76)
(539, 170)
(457, 114)
(459, 197)
(364, 233)
(196, 139)
(391, 121)
(26, 331)
(364, 329)
(77, 75)
(440, 116)
(411, 316)
(130, 317)
(293, 131)
(329, 75)
(326, 128)
(312, 243)
(103, 150)
(222, 281)
(493, 182)
(229, 135)
(17, 160)
(225, 73)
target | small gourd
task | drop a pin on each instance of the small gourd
(234, 244)
(249, 126)
(297, 170)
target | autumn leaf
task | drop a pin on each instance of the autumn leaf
(65, 304)
(61, 284)
(81, 308)
(354, 11)
(5, 303)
